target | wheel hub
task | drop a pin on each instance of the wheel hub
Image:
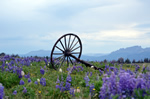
(67, 52)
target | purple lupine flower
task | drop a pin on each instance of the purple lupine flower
(58, 81)
(27, 76)
(106, 67)
(137, 68)
(73, 68)
(19, 72)
(90, 73)
(44, 67)
(43, 81)
(141, 83)
(61, 83)
(15, 92)
(42, 71)
(86, 78)
(72, 91)
(62, 88)
(57, 86)
(21, 82)
(144, 67)
(1, 91)
(67, 86)
(7, 69)
(29, 80)
(87, 73)
(14, 70)
(36, 82)
(45, 60)
(68, 68)
(24, 90)
(123, 84)
(101, 72)
(91, 88)
(68, 78)
(79, 67)
(108, 72)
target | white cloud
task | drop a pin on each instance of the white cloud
(97, 22)
(25, 9)
(112, 35)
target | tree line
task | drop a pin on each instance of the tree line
(120, 60)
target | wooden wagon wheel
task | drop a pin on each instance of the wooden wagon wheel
(66, 46)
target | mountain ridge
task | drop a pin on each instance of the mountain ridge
(133, 52)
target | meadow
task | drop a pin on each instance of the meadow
(34, 78)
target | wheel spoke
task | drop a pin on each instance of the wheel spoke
(62, 45)
(65, 42)
(58, 53)
(57, 62)
(74, 45)
(62, 62)
(67, 45)
(67, 62)
(75, 53)
(58, 57)
(69, 40)
(70, 60)
(59, 48)
(75, 49)
(72, 42)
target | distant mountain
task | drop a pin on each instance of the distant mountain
(40, 53)
(134, 52)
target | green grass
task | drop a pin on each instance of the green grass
(11, 82)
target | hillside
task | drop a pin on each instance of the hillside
(134, 52)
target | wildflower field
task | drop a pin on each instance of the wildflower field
(34, 78)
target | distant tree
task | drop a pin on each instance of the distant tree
(47, 57)
(133, 61)
(105, 61)
(13, 55)
(2, 54)
(145, 60)
(35, 56)
(142, 61)
(121, 60)
(149, 61)
(127, 61)
(113, 61)
(138, 61)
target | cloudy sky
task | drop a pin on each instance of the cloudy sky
(102, 25)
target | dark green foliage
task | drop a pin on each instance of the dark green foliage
(116, 97)
(127, 61)
(142, 94)
(98, 85)
(146, 60)
(133, 61)
(120, 60)
(9, 79)
(2, 54)
(30, 93)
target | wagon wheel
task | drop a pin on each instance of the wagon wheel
(66, 45)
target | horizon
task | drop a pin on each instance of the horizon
(102, 26)
(82, 51)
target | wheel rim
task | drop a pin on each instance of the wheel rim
(64, 46)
